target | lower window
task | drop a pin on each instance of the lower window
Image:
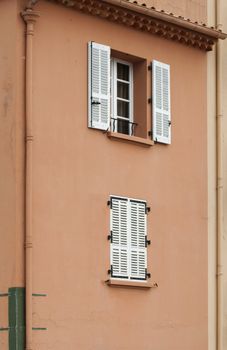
(128, 237)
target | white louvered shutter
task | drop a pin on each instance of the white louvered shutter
(138, 250)
(98, 86)
(119, 245)
(161, 102)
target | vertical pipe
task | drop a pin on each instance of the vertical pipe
(16, 317)
(219, 138)
(29, 17)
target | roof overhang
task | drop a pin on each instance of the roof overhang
(150, 20)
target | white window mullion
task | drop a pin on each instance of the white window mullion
(131, 105)
(114, 95)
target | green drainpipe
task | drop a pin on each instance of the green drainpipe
(16, 312)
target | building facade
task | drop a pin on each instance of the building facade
(109, 193)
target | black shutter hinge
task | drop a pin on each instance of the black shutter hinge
(110, 271)
(150, 133)
(109, 203)
(150, 100)
(96, 103)
(147, 274)
(170, 123)
(147, 210)
(149, 67)
(147, 242)
(110, 237)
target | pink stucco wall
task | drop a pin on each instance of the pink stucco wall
(75, 170)
(11, 155)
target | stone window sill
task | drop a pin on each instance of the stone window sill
(130, 284)
(133, 139)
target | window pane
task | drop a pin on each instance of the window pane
(123, 126)
(122, 71)
(123, 90)
(123, 109)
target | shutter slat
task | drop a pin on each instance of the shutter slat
(161, 102)
(98, 86)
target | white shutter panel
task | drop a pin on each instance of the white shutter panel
(98, 86)
(119, 245)
(138, 229)
(161, 102)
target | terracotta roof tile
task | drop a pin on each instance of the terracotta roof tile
(169, 13)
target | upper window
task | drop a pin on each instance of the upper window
(117, 95)
(122, 97)
(128, 236)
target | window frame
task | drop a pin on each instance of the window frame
(114, 98)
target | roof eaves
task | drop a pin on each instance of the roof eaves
(169, 17)
(148, 19)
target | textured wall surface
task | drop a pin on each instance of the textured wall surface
(11, 153)
(75, 171)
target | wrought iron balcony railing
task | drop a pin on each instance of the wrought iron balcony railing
(123, 126)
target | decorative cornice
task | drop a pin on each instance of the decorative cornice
(169, 17)
(149, 20)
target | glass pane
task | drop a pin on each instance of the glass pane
(123, 90)
(123, 126)
(123, 109)
(122, 71)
